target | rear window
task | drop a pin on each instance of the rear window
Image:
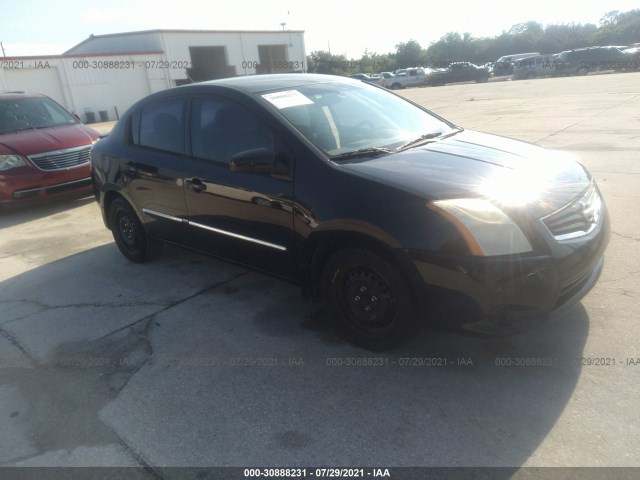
(160, 126)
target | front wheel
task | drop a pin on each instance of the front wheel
(129, 234)
(369, 298)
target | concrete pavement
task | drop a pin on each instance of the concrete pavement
(187, 361)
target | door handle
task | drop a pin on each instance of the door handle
(195, 184)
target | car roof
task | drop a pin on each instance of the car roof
(513, 55)
(261, 83)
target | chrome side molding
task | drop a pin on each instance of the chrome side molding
(264, 243)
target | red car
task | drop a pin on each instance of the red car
(44, 149)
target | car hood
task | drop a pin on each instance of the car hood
(474, 164)
(29, 142)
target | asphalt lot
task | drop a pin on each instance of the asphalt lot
(187, 361)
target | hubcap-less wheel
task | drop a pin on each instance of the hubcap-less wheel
(128, 230)
(366, 298)
(129, 233)
(369, 298)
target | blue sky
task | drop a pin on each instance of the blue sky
(34, 27)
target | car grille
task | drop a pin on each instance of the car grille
(61, 159)
(578, 218)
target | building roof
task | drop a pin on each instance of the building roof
(146, 40)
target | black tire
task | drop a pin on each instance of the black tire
(395, 86)
(131, 238)
(369, 298)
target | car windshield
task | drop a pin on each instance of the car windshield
(341, 118)
(36, 112)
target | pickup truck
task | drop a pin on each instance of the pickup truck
(406, 77)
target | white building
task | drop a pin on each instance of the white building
(104, 75)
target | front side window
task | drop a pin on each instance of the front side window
(221, 128)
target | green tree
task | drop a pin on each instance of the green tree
(454, 47)
(618, 28)
(322, 61)
(409, 54)
(375, 62)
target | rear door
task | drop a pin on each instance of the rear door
(151, 166)
(244, 216)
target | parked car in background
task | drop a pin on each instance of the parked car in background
(364, 77)
(633, 57)
(385, 79)
(408, 77)
(458, 72)
(504, 65)
(363, 198)
(584, 60)
(536, 66)
(44, 149)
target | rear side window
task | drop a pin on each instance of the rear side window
(160, 126)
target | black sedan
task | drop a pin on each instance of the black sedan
(366, 200)
(458, 72)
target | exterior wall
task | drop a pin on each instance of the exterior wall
(112, 89)
(88, 83)
(241, 48)
(85, 79)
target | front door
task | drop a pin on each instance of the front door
(242, 216)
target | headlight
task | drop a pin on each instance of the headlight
(486, 229)
(11, 161)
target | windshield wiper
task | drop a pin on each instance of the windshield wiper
(363, 152)
(429, 136)
(421, 139)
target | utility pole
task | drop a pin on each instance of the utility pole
(2, 46)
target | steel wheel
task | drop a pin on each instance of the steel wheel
(127, 230)
(129, 234)
(369, 299)
(366, 298)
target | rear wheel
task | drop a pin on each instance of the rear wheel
(129, 234)
(369, 299)
(395, 86)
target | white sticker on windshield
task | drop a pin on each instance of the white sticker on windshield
(290, 98)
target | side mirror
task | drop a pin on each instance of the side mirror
(257, 160)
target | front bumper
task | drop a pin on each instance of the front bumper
(30, 185)
(511, 293)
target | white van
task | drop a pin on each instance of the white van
(504, 65)
(536, 66)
